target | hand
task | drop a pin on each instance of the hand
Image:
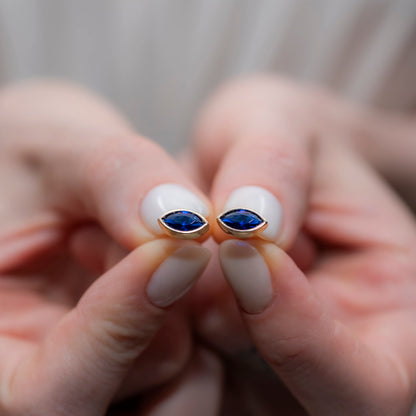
(83, 322)
(335, 319)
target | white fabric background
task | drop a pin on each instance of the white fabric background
(157, 59)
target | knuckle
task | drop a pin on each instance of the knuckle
(262, 83)
(288, 160)
(115, 153)
(254, 94)
(100, 162)
(293, 163)
(284, 95)
(393, 265)
(109, 157)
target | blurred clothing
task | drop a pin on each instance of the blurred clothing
(158, 59)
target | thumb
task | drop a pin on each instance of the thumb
(81, 364)
(326, 366)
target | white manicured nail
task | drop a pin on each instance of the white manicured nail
(248, 275)
(261, 201)
(168, 197)
(176, 275)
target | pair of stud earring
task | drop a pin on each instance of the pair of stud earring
(238, 222)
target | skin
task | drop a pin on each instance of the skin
(72, 246)
(339, 330)
(77, 331)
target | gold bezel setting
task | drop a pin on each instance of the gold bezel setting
(183, 234)
(242, 233)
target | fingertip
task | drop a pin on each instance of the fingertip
(248, 275)
(290, 285)
(250, 212)
(175, 210)
(128, 183)
(260, 201)
(275, 256)
(263, 276)
(177, 274)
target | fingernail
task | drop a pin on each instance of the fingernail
(248, 274)
(262, 202)
(176, 275)
(168, 197)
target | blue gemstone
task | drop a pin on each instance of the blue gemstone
(241, 219)
(183, 221)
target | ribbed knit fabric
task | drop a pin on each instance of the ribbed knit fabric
(158, 59)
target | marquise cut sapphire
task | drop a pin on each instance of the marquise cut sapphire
(182, 220)
(241, 219)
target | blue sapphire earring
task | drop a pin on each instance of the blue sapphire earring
(183, 224)
(241, 223)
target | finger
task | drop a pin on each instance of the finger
(25, 242)
(98, 168)
(350, 206)
(196, 392)
(125, 184)
(215, 314)
(152, 185)
(83, 361)
(325, 366)
(261, 150)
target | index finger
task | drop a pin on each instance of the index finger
(260, 146)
